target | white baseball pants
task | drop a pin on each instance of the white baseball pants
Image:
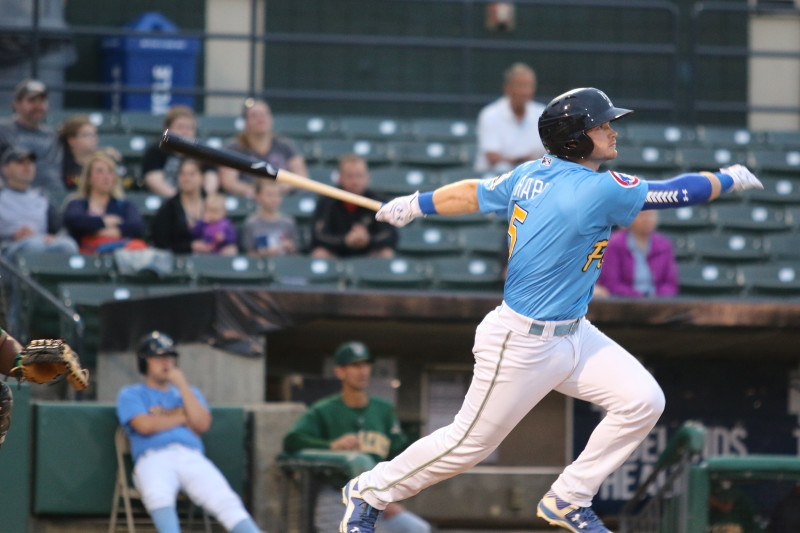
(513, 371)
(160, 474)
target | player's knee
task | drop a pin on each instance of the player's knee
(654, 404)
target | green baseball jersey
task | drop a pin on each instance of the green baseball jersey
(376, 425)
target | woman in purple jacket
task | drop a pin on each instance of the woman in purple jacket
(638, 261)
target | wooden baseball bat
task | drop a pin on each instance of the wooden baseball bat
(251, 165)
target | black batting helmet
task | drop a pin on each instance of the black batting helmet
(154, 344)
(566, 118)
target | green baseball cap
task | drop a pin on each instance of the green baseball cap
(351, 352)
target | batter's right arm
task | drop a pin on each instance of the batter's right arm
(456, 198)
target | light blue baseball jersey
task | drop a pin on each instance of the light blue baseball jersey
(139, 399)
(560, 216)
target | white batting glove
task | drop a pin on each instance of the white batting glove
(400, 211)
(743, 179)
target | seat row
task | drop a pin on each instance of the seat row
(736, 248)
(773, 280)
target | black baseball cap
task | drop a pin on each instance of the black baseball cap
(351, 352)
(16, 153)
(30, 87)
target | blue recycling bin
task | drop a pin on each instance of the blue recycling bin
(161, 62)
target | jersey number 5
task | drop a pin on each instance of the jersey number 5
(519, 216)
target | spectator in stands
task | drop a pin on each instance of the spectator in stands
(28, 221)
(164, 417)
(79, 140)
(352, 420)
(257, 139)
(638, 261)
(214, 233)
(341, 229)
(26, 129)
(785, 517)
(98, 217)
(267, 232)
(160, 169)
(172, 226)
(508, 128)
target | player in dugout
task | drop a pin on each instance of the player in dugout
(560, 211)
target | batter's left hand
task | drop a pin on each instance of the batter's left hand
(743, 179)
(400, 211)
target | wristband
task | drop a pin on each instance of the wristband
(426, 203)
(725, 180)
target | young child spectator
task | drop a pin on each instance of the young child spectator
(215, 230)
(172, 226)
(28, 221)
(99, 218)
(638, 261)
(258, 139)
(164, 417)
(27, 129)
(160, 169)
(341, 229)
(267, 232)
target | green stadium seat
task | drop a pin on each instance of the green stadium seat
(384, 273)
(467, 274)
(224, 126)
(305, 126)
(776, 161)
(299, 205)
(304, 271)
(484, 241)
(104, 121)
(793, 217)
(644, 158)
(238, 208)
(783, 247)
(651, 134)
(778, 190)
(50, 269)
(443, 129)
(725, 136)
(706, 279)
(688, 218)
(783, 139)
(466, 220)
(330, 150)
(397, 181)
(451, 175)
(728, 247)
(327, 174)
(710, 159)
(210, 269)
(774, 279)
(377, 128)
(680, 245)
(426, 241)
(428, 154)
(130, 146)
(142, 123)
(749, 217)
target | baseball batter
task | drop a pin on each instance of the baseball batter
(560, 212)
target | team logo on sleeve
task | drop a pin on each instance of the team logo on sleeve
(624, 180)
(498, 180)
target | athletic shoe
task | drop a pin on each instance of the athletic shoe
(557, 512)
(359, 516)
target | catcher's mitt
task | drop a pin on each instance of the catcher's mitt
(45, 359)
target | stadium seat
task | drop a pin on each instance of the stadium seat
(451, 175)
(749, 217)
(209, 269)
(725, 136)
(793, 217)
(689, 218)
(130, 146)
(774, 279)
(224, 126)
(484, 241)
(783, 247)
(238, 208)
(330, 150)
(147, 202)
(299, 205)
(394, 273)
(443, 129)
(104, 121)
(783, 139)
(171, 269)
(779, 190)
(50, 269)
(304, 271)
(680, 245)
(776, 161)
(426, 241)
(142, 122)
(327, 174)
(305, 126)
(706, 279)
(651, 134)
(728, 247)
(397, 181)
(376, 128)
(644, 158)
(710, 159)
(429, 154)
(467, 274)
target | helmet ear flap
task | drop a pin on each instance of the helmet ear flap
(581, 146)
(141, 362)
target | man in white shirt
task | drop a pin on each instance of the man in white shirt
(508, 128)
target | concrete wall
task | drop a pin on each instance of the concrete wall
(774, 81)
